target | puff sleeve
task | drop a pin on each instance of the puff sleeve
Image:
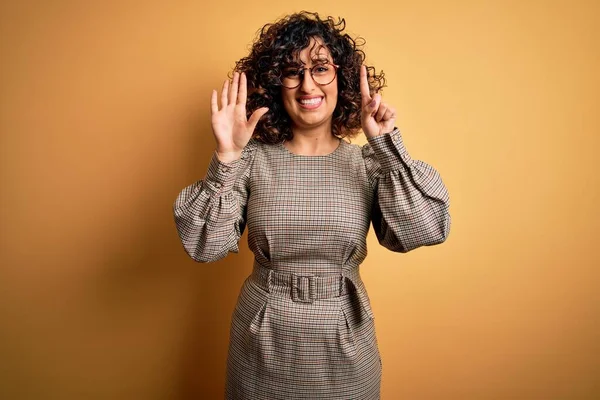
(411, 204)
(210, 214)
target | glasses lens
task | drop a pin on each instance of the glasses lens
(291, 77)
(323, 74)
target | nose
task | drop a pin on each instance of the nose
(308, 84)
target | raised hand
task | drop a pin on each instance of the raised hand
(231, 128)
(377, 117)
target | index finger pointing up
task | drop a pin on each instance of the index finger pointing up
(364, 86)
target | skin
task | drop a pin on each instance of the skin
(312, 128)
(231, 128)
(377, 118)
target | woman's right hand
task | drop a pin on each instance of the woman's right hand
(230, 126)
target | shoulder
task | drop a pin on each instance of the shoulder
(359, 151)
(256, 146)
(258, 152)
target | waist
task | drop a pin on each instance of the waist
(305, 288)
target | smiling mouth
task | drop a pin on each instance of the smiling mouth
(311, 103)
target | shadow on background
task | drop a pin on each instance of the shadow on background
(174, 313)
(98, 298)
(214, 290)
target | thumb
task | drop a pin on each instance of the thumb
(256, 116)
(372, 107)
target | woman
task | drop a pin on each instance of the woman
(303, 326)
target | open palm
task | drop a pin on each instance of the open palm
(231, 128)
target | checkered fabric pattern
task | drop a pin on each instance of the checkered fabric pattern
(303, 326)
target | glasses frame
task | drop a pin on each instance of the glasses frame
(303, 74)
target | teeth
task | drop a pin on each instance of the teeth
(316, 100)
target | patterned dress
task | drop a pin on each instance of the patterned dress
(303, 327)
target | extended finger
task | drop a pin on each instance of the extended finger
(241, 99)
(214, 107)
(224, 93)
(234, 88)
(364, 86)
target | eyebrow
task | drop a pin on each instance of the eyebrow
(321, 59)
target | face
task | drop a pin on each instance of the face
(311, 105)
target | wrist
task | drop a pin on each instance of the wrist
(228, 156)
(371, 136)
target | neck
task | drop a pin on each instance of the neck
(313, 142)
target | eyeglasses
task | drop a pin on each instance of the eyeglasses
(323, 74)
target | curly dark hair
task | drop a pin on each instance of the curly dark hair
(277, 46)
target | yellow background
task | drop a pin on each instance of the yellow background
(104, 119)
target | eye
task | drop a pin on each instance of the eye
(321, 69)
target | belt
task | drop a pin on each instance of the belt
(302, 288)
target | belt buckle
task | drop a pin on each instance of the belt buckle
(304, 284)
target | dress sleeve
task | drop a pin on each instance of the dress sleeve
(210, 214)
(411, 202)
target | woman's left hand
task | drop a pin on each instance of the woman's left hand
(377, 117)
